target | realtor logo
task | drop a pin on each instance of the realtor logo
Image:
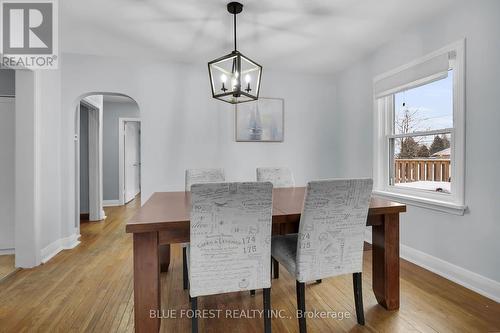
(29, 34)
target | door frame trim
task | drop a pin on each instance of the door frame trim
(95, 155)
(121, 155)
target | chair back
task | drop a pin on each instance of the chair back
(279, 176)
(332, 228)
(199, 176)
(230, 244)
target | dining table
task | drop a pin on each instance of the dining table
(164, 220)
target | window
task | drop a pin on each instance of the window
(422, 123)
(419, 131)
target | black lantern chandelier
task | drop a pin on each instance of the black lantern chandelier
(235, 78)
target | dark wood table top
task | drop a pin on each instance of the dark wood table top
(174, 208)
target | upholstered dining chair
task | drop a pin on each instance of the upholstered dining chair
(279, 176)
(230, 241)
(201, 176)
(198, 176)
(330, 238)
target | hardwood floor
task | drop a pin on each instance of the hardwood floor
(90, 288)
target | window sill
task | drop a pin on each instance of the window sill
(438, 205)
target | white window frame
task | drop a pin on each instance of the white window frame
(453, 202)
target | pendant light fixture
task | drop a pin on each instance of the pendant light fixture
(235, 78)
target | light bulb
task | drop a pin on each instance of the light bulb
(223, 78)
(248, 78)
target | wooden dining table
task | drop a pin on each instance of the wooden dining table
(164, 220)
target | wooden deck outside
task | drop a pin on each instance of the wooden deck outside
(413, 170)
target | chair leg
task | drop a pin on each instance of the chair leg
(358, 297)
(267, 310)
(185, 278)
(301, 305)
(252, 292)
(194, 320)
(276, 268)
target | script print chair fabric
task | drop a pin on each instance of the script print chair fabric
(330, 238)
(230, 241)
(201, 176)
(279, 176)
(198, 176)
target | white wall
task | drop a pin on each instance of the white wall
(7, 174)
(470, 241)
(183, 127)
(112, 111)
(50, 157)
(37, 166)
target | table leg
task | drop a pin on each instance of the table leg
(385, 261)
(146, 282)
(164, 257)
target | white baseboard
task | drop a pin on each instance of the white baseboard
(57, 246)
(6, 251)
(470, 280)
(111, 203)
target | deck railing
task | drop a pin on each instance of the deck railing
(412, 170)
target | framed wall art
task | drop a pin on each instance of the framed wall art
(260, 121)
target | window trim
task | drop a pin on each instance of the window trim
(453, 202)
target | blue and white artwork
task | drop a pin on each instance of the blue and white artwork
(260, 121)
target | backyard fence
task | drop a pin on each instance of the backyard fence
(412, 170)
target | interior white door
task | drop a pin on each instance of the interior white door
(132, 160)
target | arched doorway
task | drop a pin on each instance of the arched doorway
(107, 153)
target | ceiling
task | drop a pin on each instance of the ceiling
(317, 36)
